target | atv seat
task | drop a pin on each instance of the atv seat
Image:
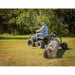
(45, 37)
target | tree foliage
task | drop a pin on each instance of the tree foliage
(27, 21)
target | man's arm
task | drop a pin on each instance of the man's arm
(37, 31)
(40, 29)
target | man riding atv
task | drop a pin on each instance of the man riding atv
(42, 39)
(43, 31)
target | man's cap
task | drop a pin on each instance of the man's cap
(43, 22)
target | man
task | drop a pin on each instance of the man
(43, 30)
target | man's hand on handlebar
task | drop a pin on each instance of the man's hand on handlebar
(37, 31)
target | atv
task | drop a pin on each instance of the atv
(43, 41)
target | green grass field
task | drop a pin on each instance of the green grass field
(14, 51)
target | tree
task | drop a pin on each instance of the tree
(27, 21)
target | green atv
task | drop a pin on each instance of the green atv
(43, 41)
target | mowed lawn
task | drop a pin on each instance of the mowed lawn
(14, 51)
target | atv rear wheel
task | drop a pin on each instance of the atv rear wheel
(40, 44)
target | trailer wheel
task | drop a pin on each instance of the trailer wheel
(64, 46)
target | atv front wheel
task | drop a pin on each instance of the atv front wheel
(31, 42)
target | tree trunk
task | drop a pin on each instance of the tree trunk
(70, 29)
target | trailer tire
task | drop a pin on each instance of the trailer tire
(64, 46)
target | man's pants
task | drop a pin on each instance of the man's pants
(38, 34)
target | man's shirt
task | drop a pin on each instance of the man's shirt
(44, 30)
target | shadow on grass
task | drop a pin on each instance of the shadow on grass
(61, 52)
(8, 38)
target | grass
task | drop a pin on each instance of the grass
(14, 51)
